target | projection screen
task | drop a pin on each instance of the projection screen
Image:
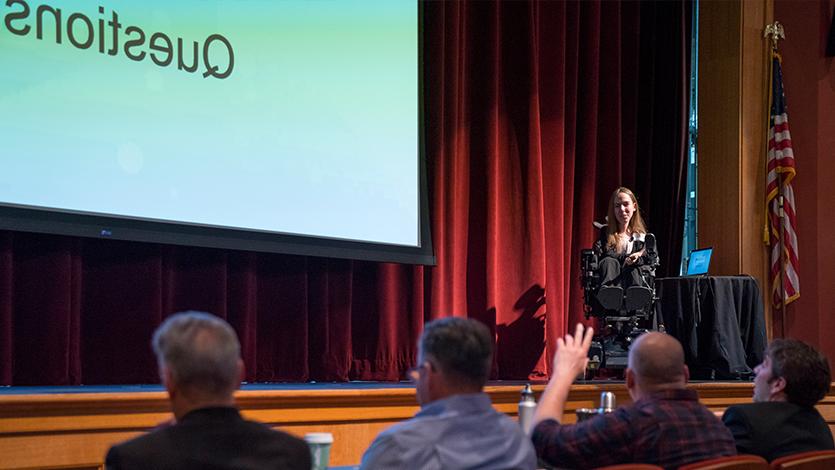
(289, 126)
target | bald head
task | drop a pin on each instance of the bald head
(657, 359)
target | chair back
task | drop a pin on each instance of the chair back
(631, 466)
(733, 462)
(812, 460)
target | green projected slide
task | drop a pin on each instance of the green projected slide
(293, 117)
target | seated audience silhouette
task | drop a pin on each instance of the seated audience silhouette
(200, 365)
(783, 420)
(457, 426)
(665, 425)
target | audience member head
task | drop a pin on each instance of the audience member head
(656, 362)
(792, 371)
(454, 357)
(199, 358)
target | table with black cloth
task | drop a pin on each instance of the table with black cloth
(719, 321)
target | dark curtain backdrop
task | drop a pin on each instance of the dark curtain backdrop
(535, 112)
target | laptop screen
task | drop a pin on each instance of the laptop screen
(699, 261)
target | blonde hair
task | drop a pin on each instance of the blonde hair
(636, 223)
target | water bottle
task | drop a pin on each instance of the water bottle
(607, 402)
(527, 405)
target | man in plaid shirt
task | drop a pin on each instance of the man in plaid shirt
(665, 425)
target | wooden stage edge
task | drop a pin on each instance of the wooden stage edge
(74, 430)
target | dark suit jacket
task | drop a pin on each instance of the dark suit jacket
(211, 438)
(776, 429)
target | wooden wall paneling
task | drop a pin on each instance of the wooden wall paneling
(733, 60)
(719, 145)
(75, 430)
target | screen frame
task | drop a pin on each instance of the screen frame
(106, 226)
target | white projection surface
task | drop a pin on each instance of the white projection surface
(296, 118)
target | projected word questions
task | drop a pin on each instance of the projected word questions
(215, 58)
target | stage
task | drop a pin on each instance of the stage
(72, 427)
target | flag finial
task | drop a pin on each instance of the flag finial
(775, 32)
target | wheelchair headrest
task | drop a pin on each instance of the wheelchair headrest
(650, 242)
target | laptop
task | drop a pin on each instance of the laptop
(699, 261)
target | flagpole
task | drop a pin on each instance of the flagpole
(780, 216)
(775, 32)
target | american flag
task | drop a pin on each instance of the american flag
(780, 173)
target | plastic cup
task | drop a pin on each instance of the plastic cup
(320, 448)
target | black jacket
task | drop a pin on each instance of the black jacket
(650, 258)
(776, 429)
(210, 439)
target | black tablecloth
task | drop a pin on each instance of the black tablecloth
(719, 321)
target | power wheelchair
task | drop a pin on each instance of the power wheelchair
(622, 314)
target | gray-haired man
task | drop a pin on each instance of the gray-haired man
(200, 366)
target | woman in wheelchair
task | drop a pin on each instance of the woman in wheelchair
(627, 256)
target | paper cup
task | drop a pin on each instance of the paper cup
(320, 448)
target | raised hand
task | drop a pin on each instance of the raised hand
(569, 360)
(572, 352)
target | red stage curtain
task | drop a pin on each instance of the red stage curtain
(534, 113)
